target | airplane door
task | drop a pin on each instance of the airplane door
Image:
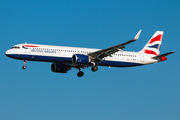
(27, 50)
(141, 57)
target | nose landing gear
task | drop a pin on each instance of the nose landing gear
(24, 67)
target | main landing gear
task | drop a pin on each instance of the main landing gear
(80, 73)
(94, 68)
(24, 67)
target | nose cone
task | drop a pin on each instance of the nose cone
(10, 54)
(7, 53)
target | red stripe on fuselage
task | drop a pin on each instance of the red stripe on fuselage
(157, 38)
(29, 46)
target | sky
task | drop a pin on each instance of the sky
(137, 93)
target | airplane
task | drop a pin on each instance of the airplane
(64, 58)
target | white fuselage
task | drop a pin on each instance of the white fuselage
(61, 54)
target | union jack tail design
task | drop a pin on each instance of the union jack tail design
(154, 44)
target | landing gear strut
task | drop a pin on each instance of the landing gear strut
(24, 67)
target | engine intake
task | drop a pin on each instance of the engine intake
(80, 59)
(59, 68)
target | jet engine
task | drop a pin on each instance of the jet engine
(59, 68)
(80, 59)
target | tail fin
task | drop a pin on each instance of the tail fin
(154, 44)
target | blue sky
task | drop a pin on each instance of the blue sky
(147, 92)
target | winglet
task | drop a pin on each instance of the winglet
(137, 35)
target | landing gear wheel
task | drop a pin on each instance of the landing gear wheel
(94, 68)
(80, 74)
(24, 67)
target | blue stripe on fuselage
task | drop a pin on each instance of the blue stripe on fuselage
(40, 58)
(69, 60)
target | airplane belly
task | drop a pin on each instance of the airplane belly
(119, 64)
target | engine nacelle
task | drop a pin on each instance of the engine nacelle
(80, 59)
(59, 68)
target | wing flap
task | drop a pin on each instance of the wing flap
(100, 54)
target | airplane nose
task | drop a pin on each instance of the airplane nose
(11, 54)
(7, 53)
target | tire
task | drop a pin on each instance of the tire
(24, 67)
(80, 74)
(94, 68)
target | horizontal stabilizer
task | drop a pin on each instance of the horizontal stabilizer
(163, 55)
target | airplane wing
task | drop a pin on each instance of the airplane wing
(99, 55)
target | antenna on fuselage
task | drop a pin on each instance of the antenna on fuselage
(25, 42)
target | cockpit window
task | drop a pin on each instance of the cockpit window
(15, 47)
